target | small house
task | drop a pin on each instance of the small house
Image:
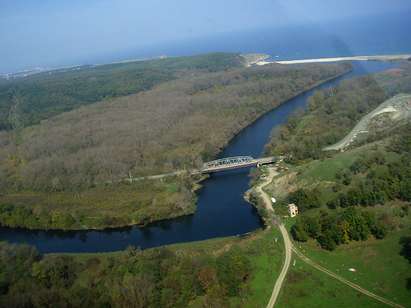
(292, 210)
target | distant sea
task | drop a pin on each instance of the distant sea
(358, 36)
(374, 35)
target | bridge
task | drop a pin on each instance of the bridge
(235, 163)
(213, 166)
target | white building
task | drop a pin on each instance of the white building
(292, 210)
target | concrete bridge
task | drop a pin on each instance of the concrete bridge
(235, 163)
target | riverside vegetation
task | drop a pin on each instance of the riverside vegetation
(64, 170)
(214, 273)
(357, 199)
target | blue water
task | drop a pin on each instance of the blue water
(373, 35)
(221, 211)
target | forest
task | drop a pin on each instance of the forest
(332, 229)
(71, 165)
(27, 101)
(209, 274)
(158, 278)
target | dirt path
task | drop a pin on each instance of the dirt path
(284, 270)
(155, 177)
(287, 243)
(259, 189)
(343, 280)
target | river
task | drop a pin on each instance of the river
(221, 209)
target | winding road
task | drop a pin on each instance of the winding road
(289, 248)
(284, 270)
(287, 242)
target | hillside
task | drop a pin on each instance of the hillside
(387, 116)
(333, 113)
(354, 204)
(53, 174)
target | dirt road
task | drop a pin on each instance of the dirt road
(287, 243)
(284, 270)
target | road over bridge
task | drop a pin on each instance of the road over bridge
(236, 162)
(222, 164)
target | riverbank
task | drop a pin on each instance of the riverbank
(220, 197)
(143, 202)
(224, 272)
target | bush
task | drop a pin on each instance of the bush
(333, 229)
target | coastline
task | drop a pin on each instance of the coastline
(339, 59)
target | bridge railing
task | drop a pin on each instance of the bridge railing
(235, 162)
(228, 161)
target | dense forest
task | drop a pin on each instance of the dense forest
(158, 278)
(333, 229)
(210, 274)
(26, 101)
(68, 165)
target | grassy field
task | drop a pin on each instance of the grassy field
(307, 287)
(379, 266)
(266, 266)
(325, 170)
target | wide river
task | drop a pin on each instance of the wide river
(221, 209)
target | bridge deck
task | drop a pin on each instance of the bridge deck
(235, 163)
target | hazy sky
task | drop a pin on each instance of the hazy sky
(51, 32)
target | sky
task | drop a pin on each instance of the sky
(57, 32)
